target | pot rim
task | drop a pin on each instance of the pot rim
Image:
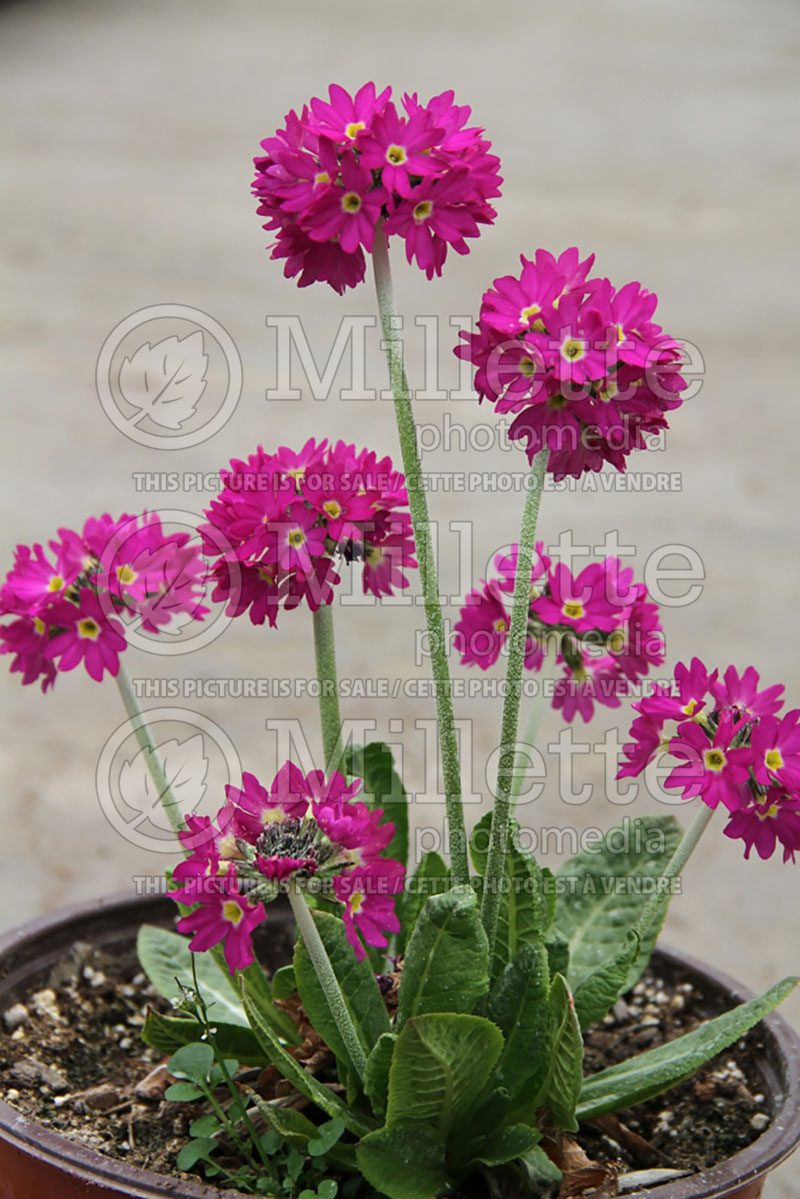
(106, 915)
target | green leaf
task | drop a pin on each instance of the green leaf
(196, 1151)
(446, 962)
(165, 956)
(168, 1033)
(539, 1168)
(432, 877)
(294, 1073)
(358, 985)
(602, 891)
(327, 1136)
(440, 1067)
(407, 1161)
(283, 982)
(505, 1145)
(183, 1092)
(297, 1130)
(206, 1126)
(383, 788)
(598, 993)
(524, 910)
(192, 1061)
(376, 1078)
(557, 947)
(563, 1085)
(519, 1007)
(657, 1070)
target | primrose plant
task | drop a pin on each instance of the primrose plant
(426, 1032)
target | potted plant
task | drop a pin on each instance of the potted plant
(428, 1032)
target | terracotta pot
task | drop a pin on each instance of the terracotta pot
(36, 1163)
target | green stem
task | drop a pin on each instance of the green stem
(166, 795)
(417, 502)
(532, 726)
(327, 979)
(501, 813)
(325, 654)
(686, 848)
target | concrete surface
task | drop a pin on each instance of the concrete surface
(660, 136)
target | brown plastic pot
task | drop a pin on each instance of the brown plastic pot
(36, 1163)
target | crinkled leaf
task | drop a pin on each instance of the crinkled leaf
(563, 1084)
(376, 1078)
(432, 877)
(557, 947)
(505, 1145)
(358, 985)
(602, 891)
(519, 1007)
(523, 917)
(598, 993)
(440, 1067)
(407, 1161)
(657, 1070)
(169, 1033)
(383, 788)
(446, 962)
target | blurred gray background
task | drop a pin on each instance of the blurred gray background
(660, 136)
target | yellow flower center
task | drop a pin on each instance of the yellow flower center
(573, 609)
(232, 912)
(227, 847)
(297, 473)
(265, 575)
(333, 509)
(356, 902)
(616, 641)
(319, 178)
(608, 393)
(527, 314)
(500, 625)
(396, 155)
(272, 816)
(351, 202)
(56, 583)
(688, 710)
(297, 537)
(373, 554)
(527, 368)
(773, 759)
(715, 760)
(353, 129)
(39, 625)
(423, 210)
(88, 628)
(573, 349)
(126, 575)
(557, 402)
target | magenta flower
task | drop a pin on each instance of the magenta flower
(284, 518)
(583, 367)
(304, 827)
(601, 626)
(764, 823)
(732, 748)
(228, 916)
(335, 171)
(71, 606)
(712, 769)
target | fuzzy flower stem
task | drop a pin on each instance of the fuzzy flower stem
(325, 654)
(501, 812)
(532, 727)
(418, 505)
(167, 797)
(327, 979)
(686, 848)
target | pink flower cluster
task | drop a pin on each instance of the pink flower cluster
(70, 603)
(327, 179)
(582, 365)
(600, 624)
(280, 518)
(303, 827)
(733, 749)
